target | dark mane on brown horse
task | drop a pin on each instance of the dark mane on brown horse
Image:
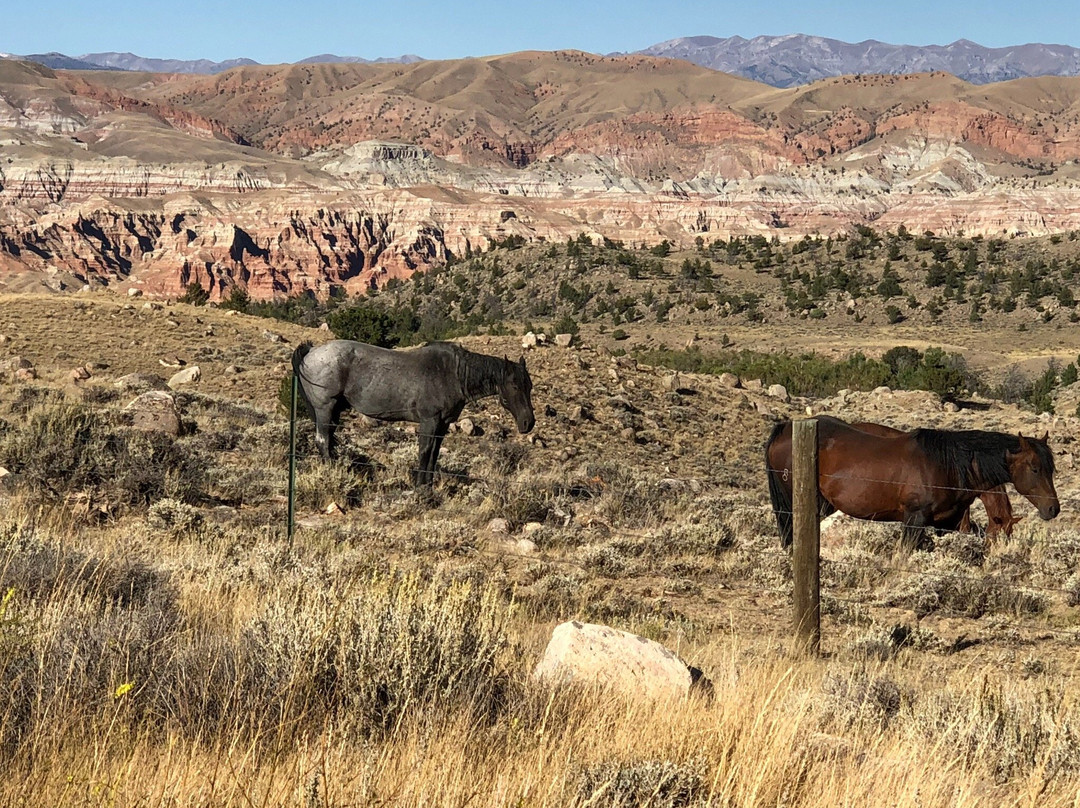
(975, 459)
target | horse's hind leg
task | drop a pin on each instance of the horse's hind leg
(324, 428)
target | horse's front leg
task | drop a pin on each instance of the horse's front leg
(431, 434)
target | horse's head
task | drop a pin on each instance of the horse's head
(515, 393)
(1031, 469)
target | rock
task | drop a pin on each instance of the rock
(25, 374)
(762, 408)
(185, 376)
(272, 337)
(324, 326)
(467, 426)
(95, 367)
(4, 339)
(778, 391)
(950, 406)
(729, 380)
(541, 338)
(599, 656)
(529, 340)
(531, 527)
(672, 382)
(754, 384)
(134, 292)
(517, 546)
(564, 340)
(80, 374)
(141, 381)
(884, 390)
(233, 370)
(14, 364)
(152, 305)
(499, 527)
(171, 361)
(155, 411)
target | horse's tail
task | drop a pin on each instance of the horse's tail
(297, 359)
(779, 494)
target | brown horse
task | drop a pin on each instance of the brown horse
(999, 512)
(925, 479)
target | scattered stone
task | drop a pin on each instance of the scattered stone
(672, 382)
(754, 384)
(270, 335)
(950, 406)
(155, 411)
(95, 367)
(467, 426)
(141, 381)
(134, 292)
(80, 374)
(762, 408)
(4, 339)
(531, 527)
(15, 364)
(233, 370)
(529, 341)
(884, 390)
(599, 656)
(522, 546)
(185, 376)
(730, 380)
(324, 326)
(778, 391)
(26, 374)
(171, 361)
(499, 527)
(564, 340)
(152, 305)
(333, 509)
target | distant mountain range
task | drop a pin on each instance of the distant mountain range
(129, 61)
(782, 61)
(785, 61)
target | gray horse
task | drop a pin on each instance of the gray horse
(428, 386)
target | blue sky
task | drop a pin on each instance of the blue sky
(274, 31)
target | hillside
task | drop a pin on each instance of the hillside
(144, 601)
(309, 176)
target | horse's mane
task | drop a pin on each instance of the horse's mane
(479, 374)
(975, 459)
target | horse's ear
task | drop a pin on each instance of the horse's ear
(522, 361)
(1045, 437)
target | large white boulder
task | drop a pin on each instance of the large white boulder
(600, 656)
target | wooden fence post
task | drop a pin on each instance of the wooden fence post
(806, 550)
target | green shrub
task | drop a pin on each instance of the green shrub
(396, 646)
(194, 295)
(63, 449)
